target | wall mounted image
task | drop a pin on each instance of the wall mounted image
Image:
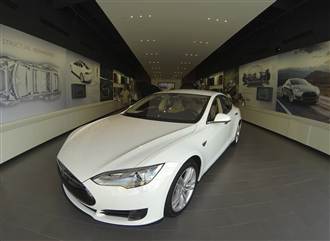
(257, 78)
(303, 86)
(24, 81)
(78, 91)
(82, 71)
(265, 94)
(299, 90)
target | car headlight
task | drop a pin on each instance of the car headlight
(128, 178)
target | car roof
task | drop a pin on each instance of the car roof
(192, 91)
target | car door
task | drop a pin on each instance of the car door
(227, 108)
(213, 135)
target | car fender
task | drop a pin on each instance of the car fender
(176, 154)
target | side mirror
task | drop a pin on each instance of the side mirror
(221, 118)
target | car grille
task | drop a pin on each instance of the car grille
(75, 186)
(309, 96)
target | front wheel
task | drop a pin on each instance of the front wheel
(181, 190)
(238, 132)
(291, 98)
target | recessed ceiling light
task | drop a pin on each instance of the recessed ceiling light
(226, 20)
(209, 19)
(141, 40)
(141, 16)
(132, 16)
(206, 42)
(153, 40)
(149, 16)
(217, 20)
(194, 41)
(200, 42)
(147, 40)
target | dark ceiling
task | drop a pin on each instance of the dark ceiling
(78, 25)
(286, 25)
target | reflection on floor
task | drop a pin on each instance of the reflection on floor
(265, 188)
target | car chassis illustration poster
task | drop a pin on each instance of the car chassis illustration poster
(31, 76)
(38, 77)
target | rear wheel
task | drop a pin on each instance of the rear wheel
(182, 189)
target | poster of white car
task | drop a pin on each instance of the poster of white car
(82, 71)
(301, 90)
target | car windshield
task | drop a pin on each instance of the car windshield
(299, 82)
(171, 107)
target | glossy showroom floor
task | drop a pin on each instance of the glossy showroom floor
(266, 188)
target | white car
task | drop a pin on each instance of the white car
(136, 167)
(81, 70)
(300, 90)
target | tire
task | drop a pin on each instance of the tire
(237, 133)
(172, 210)
(291, 97)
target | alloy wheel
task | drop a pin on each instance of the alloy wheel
(238, 132)
(184, 189)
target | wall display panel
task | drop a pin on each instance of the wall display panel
(166, 85)
(31, 76)
(256, 76)
(304, 82)
(38, 77)
(230, 84)
(81, 71)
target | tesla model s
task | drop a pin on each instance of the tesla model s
(136, 167)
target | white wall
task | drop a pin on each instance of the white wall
(312, 133)
(20, 136)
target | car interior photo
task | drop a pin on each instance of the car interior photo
(165, 120)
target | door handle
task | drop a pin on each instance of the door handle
(204, 143)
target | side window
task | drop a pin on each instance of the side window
(215, 109)
(226, 104)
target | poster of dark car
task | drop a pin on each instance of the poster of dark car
(304, 82)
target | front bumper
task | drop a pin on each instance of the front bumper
(117, 205)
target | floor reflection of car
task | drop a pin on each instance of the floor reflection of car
(26, 81)
(300, 90)
(82, 71)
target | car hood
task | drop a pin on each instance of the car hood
(117, 142)
(305, 87)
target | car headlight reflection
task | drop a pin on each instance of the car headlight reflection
(128, 178)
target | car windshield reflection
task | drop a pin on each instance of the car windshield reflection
(170, 107)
